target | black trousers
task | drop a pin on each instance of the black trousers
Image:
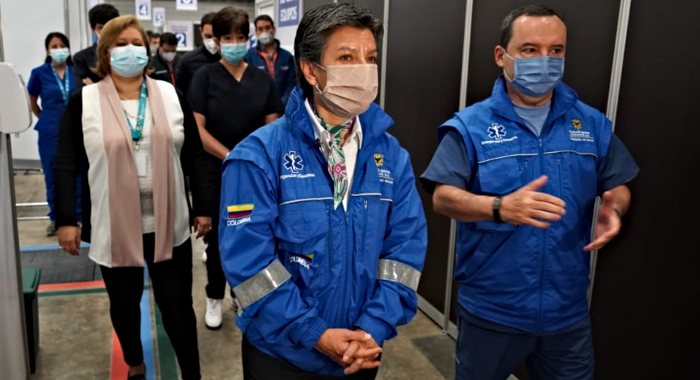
(258, 365)
(216, 281)
(172, 288)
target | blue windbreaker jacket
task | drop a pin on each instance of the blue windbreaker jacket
(297, 266)
(285, 68)
(523, 277)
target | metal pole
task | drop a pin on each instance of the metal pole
(385, 46)
(451, 254)
(611, 111)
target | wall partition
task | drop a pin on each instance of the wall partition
(646, 300)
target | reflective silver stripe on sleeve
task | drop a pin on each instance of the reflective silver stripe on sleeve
(253, 289)
(391, 270)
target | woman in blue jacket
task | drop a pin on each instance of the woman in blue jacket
(51, 82)
(322, 232)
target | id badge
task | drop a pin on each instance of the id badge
(141, 158)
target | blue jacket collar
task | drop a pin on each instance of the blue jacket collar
(374, 121)
(563, 98)
(259, 47)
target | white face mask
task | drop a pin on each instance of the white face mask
(210, 45)
(266, 38)
(168, 56)
(350, 89)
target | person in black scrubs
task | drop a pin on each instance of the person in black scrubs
(205, 54)
(84, 61)
(165, 58)
(230, 99)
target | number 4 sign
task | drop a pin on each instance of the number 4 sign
(143, 9)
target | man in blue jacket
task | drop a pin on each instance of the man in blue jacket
(520, 172)
(267, 55)
(322, 234)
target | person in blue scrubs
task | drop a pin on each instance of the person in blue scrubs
(53, 83)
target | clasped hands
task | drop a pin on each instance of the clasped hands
(354, 350)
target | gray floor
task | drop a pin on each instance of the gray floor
(76, 335)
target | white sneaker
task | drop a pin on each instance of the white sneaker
(212, 315)
(204, 257)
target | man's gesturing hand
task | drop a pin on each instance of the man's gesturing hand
(528, 206)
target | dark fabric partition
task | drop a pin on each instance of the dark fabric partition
(646, 301)
(422, 90)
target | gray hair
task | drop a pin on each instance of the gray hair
(318, 23)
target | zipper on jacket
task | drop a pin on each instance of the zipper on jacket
(524, 173)
(363, 242)
(542, 250)
(329, 240)
(559, 177)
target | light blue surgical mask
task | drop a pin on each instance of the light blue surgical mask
(536, 76)
(234, 53)
(128, 61)
(59, 55)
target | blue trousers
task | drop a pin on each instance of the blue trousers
(47, 152)
(487, 354)
(48, 143)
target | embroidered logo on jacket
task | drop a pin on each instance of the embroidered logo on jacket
(238, 214)
(303, 260)
(497, 133)
(379, 159)
(294, 164)
(578, 134)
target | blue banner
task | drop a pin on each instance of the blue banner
(289, 13)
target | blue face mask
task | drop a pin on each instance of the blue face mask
(95, 38)
(536, 76)
(59, 55)
(128, 61)
(234, 53)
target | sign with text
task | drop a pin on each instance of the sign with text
(143, 9)
(289, 13)
(186, 5)
(158, 17)
(184, 31)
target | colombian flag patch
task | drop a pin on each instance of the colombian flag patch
(240, 211)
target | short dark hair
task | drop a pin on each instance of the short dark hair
(318, 23)
(263, 18)
(230, 19)
(528, 10)
(168, 38)
(63, 39)
(206, 19)
(152, 34)
(101, 14)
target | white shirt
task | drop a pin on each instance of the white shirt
(148, 224)
(351, 147)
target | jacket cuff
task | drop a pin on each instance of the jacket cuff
(309, 333)
(379, 329)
